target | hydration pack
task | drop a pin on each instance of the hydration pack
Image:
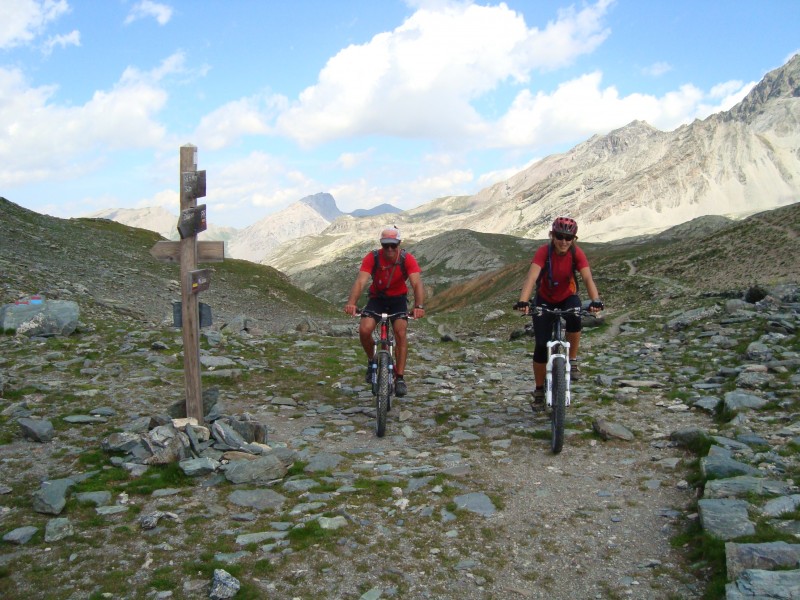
(549, 270)
(376, 263)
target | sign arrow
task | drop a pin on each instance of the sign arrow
(207, 251)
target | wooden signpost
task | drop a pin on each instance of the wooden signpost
(188, 251)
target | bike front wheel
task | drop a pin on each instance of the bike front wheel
(382, 397)
(559, 412)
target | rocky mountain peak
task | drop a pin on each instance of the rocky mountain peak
(619, 140)
(782, 83)
(324, 204)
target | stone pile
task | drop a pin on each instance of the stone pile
(720, 374)
(750, 472)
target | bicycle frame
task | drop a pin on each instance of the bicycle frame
(382, 366)
(383, 337)
(558, 373)
(384, 342)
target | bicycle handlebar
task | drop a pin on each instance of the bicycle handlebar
(379, 316)
(536, 311)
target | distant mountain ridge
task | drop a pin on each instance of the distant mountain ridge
(160, 220)
(633, 181)
(381, 209)
(308, 216)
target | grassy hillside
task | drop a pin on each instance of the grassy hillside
(722, 257)
(106, 265)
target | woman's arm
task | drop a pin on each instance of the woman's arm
(591, 288)
(530, 282)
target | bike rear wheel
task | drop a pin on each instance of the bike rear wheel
(559, 412)
(382, 397)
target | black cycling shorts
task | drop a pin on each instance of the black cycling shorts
(543, 325)
(387, 304)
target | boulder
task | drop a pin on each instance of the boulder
(46, 319)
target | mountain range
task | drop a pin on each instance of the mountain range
(307, 216)
(633, 181)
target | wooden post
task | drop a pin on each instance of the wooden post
(190, 301)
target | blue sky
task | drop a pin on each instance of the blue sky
(373, 101)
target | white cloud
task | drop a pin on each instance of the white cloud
(256, 182)
(657, 69)
(247, 116)
(419, 80)
(44, 140)
(365, 193)
(147, 8)
(491, 177)
(24, 20)
(441, 183)
(581, 107)
(350, 160)
(71, 39)
(167, 199)
(361, 193)
(724, 97)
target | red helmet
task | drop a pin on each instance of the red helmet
(565, 225)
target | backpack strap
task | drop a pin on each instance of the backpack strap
(401, 262)
(376, 264)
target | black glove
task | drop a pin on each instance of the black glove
(521, 305)
(597, 304)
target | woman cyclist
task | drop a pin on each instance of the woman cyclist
(552, 274)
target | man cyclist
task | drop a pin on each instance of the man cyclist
(552, 273)
(389, 268)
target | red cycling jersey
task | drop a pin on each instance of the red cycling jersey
(563, 284)
(381, 284)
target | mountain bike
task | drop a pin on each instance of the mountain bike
(557, 379)
(382, 366)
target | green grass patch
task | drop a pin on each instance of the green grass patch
(164, 578)
(310, 534)
(93, 459)
(375, 489)
(157, 478)
(707, 554)
(109, 478)
(19, 393)
(297, 468)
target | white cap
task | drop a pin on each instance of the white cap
(391, 235)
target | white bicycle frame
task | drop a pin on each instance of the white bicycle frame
(548, 385)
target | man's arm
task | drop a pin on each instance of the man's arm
(355, 293)
(419, 295)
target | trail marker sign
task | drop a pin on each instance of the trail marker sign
(194, 184)
(207, 251)
(201, 280)
(192, 221)
(193, 280)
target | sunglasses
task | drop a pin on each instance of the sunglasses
(389, 246)
(563, 237)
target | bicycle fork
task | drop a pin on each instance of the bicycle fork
(383, 345)
(548, 381)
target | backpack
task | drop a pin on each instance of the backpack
(401, 262)
(546, 269)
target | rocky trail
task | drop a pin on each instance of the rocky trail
(461, 499)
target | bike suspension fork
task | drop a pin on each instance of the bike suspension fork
(553, 347)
